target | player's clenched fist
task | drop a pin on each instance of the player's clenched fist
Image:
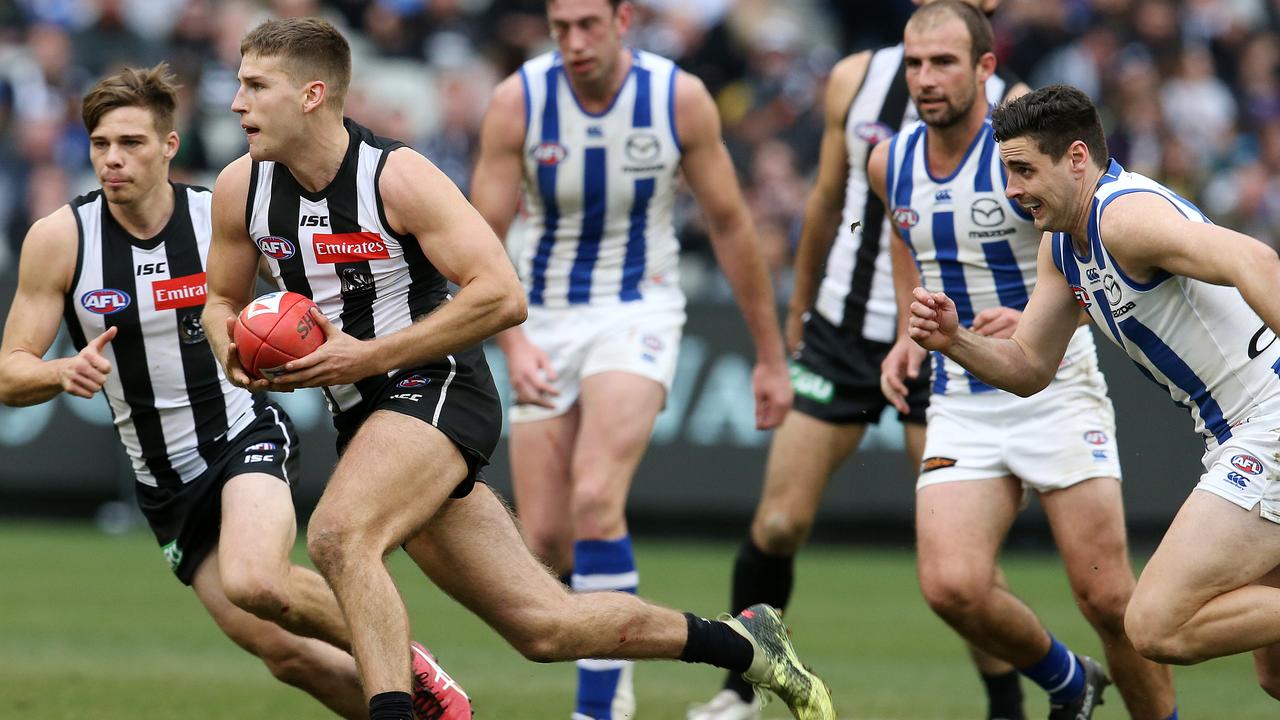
(934, 321)
(85, 373)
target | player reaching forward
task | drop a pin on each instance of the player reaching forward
(215, 466)
(1195, 306)
(371, 230)
(942, 182)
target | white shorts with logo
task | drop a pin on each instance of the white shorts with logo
(1245, 470)
(1058, 437)
(640, 337)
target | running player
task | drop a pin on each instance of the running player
(370, 230)
(840, 325)
(215, 466)
(596, 135)
(1195, 306)
(984, 449)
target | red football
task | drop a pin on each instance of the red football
(275, 329)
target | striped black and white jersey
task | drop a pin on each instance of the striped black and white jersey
(171, 402)
(336, 247)
(856, 293)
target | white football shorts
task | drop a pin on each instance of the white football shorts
(1245, 470)
(640, 337)
(1063, 435)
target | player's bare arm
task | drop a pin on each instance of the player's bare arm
(1145, 233)
(711, 176)
(231, 268)
(825, 204)
(421, 201)
(495, 193)
(1023, 364)
(44, 277)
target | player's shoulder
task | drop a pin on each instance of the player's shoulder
(58, 226)
(234, 176)
(509, 96)
(52, 242)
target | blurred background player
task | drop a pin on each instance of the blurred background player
(595, 135)
(215, 466)
(841, 323)
(370, 231)
(942, 182)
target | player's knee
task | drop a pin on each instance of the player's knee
(287, 663)
(954, 591)
(1104, 607)
(1269, 681)
(781, 533)
(598, 511)
(256, 592)
(330, 545)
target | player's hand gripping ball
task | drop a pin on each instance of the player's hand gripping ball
(273, 330)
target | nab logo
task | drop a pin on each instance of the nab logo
(276, 247)
(1082, 297)
(1095, 437)
(1247, 464)
(314, 221)
(549, 153)
(105, 301)
(1092, 275)
(414, 381)
(905, 217)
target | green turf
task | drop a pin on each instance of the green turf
(92, 626)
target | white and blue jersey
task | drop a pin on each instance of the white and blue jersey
(968, 239)
(599, 188)
(1202, 342)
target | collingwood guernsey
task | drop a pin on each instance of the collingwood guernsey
(171, 402)
(336, 247)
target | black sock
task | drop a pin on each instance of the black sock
(1004, 696)
(391, 706)
(715, 643)
(758, 578)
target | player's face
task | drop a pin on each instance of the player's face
(943, 81)
(269, 105)
(1044, 188)
(589, 33)
(130, 157)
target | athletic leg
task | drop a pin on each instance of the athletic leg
(1088, 526)
(541, 451)
(393, 477)
(318, 668)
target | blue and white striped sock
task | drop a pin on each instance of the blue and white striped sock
(604, 686)
(1059, 672)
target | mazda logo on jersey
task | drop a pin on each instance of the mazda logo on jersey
(105, 301)
(1112, 288)
(549, 153)
(180, 292)
(275, 247)
(986, 212)
(349, 247)
(643, 147)
(905, 217)
(872, 132)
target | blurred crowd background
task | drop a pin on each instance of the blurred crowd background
(1190, 89)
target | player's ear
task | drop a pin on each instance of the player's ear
(171, 144)
(625, 14)
(313, 95)
(1078, 154)
(986, 66)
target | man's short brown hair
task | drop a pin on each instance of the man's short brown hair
(149, 88)
(309, 48)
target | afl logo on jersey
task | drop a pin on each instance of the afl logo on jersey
(414, 381)
(872, 132)
(275, 247)
(1095, 437)
(905, 217)
(105, 301)
(549, 153)
(1247, 464)
(1082, 297)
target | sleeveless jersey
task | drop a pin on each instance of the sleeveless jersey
(170, 400)
(336, 247)
(599, 188)
(856, 292)
(1201, 342)
(968, 239)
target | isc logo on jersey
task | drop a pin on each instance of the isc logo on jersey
(275, 247)
(185, 291)
(105, 301)
(349, 247)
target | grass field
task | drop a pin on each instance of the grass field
(93, 626)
